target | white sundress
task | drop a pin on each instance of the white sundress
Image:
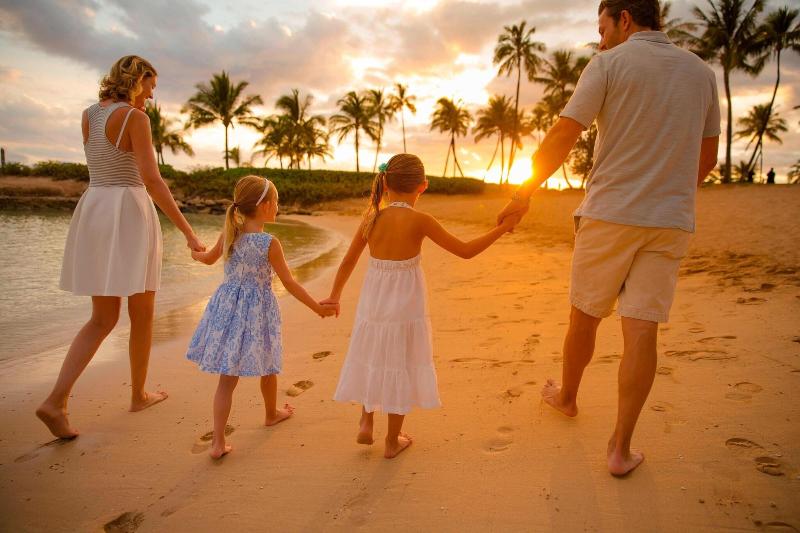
(389, 363)
(113, 246)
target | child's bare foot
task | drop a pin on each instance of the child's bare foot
(620, 464)
(149, 400)
(56, 421)
(218, 451)
(551, 394)
(280, 415)
(365, 430)
(393, 449)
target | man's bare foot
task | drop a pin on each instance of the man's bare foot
(551, 394)
(149, 400)
(623, 464)
(365, 430)
(218, 451)
(56, 421)
(393, 449)
(280, 415)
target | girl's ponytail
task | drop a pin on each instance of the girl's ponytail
(375, 199)
(232, 229)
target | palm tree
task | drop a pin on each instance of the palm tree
(780, 31)
(679, 31)
(221, 100)
(794, 173)
(515, 49)
(583, 154)
(315, 141)
(545, 114)
(163, 136)
(382, 110)
(729, 29)
(758, 123)
(495, 119)
(451, 117)
(354, 116)
(561, 73)
(402, 101)
(273, 140)
(235, 155)
(299, 129)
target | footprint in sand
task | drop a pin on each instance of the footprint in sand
(765, 287)
(750, 301)
(515, 392)
(721, 337)
(661, 407)
(299, 388)
(204, 442)
(322, 355)
(769, 465)
(775, 526)
(697, 329)
(665, 370)
(696, 355)
(606, 359)
(35, 453)
(743, 391)
(501, 441)
(472, 360)
(765, 464)
(127, 522)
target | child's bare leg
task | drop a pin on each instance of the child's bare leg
(365, 428)
(396, 441)
(269, 390)
(222, 410)
(53, 411)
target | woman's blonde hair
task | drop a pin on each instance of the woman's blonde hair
(123, 82)
(245, 202)
(402, 173)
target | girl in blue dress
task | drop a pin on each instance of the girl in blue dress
(240, 332)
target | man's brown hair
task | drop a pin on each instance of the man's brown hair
(645, 13)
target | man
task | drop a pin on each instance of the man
(658, 118)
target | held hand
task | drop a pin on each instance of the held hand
(326, 310)
(332, 303)
(510, 222)
(198, 256)
(195, 244)
(514, 207)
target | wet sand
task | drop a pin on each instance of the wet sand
(720, 431)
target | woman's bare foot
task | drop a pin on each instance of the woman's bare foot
(149, 400)
(551, 394)
(620, 464)
(218, 451)
(280, 415)
(365, 430)
(56, 421)
(393, 449)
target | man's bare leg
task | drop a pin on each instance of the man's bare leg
(636, 374)
(578, 350)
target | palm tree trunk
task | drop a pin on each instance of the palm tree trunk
(494, 154)
(403, 121)
(564, 170)
(358, 169)
(226, 147)
(516, 122)
(502, 156)
(377, 151)
(455, 159)
(726, 175)
(446, 160)
(765, 125)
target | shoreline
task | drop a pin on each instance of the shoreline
(720, 429)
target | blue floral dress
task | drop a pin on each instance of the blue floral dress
(240, 332)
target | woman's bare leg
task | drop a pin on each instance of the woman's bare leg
(53, 412)
(222, 410)
(269, 390)
(141, 308)
(396, 441)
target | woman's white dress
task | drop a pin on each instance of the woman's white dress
(114, 244)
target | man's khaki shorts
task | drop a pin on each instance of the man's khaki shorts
(635, 264)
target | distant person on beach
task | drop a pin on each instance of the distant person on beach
(658, 123)
(240, 332)
(389, 364)
(113, 247)
(771, 176)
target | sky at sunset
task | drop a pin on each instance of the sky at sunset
(55, 52)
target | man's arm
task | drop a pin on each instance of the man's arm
(548, 158)
(708, 158)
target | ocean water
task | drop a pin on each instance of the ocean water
(36, 316)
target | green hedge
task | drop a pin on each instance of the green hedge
(303, 187)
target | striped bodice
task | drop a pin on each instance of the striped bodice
(108, 165)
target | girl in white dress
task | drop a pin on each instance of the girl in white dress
(113, 247)
(389, 364)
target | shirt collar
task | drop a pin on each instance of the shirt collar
(653, 36)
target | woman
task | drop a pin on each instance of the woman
(113, 247)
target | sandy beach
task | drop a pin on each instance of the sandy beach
(720, 431)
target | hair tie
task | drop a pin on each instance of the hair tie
(236, 204)
(383, 167)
